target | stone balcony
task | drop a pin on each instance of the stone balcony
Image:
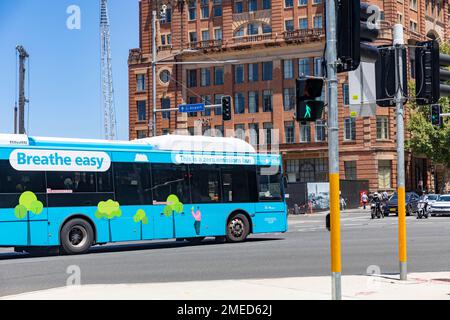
(252, 38)
(205, 45)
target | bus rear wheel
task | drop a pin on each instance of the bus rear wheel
(238, 228)
(77, 236)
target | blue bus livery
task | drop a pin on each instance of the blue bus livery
(73, 194)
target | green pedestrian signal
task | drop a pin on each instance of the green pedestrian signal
(307, 90)
(309, 110)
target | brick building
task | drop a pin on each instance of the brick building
(255, 49)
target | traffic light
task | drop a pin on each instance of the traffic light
(226, 108)
(307, 107)
(356, 27)
(348, 34)
(427, 72)
(309, 110)
(444, 74)
(435, 114)
(385, 76)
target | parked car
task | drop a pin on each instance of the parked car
(441, 206)
(412, 200)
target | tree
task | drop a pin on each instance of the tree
(108, 210)
(427, 139)
(140, 217)
(173, 205)
(28, 202)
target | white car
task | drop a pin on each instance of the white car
(440, 206)
(431, 198)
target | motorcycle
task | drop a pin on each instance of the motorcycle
(422, 210)
(376, 209)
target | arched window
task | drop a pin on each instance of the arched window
(239, 32)
(252, 29)
(266, 28)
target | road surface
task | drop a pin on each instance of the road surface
(303, 251)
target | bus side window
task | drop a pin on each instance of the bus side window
(239, 184)
(170, 179)
(205, 183)
(12, 181)
(132, 183)
(74, 181)
(269, 184)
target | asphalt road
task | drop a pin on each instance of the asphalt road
(303, 251)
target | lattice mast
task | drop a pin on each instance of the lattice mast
(109, 112)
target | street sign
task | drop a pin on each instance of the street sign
(195, 107)
(362, 93)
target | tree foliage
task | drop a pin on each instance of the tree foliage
(426, 139)
(108, 210)
(173, 204)
(28, 202)
(140, 216)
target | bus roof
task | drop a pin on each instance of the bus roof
(160, 143)
(199, 143)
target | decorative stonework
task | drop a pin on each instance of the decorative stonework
(240, 19)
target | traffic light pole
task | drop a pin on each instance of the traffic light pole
(154, 17)
(333, 149)
(399, 100)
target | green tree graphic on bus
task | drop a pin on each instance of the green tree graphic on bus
(140, 217)
(173, 205)
(108, 210)
(28, 202)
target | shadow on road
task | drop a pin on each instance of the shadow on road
(140, 246)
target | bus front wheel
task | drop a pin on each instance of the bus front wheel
(238, 228)
(77, 236)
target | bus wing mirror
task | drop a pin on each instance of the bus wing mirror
(327, 222)
(285, 182)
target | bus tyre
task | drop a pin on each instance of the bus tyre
(238, 228)
(76, 236)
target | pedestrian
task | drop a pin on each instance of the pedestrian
(296, 209)
(343, 203)
(364, 200)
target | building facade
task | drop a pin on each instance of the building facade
(253, 50)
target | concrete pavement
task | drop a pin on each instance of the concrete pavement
(419, 286)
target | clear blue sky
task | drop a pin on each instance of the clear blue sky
(65, 84)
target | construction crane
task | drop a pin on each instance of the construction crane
(20, 114)
(109, 112)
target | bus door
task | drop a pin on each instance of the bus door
(205, 214)
(171, 197)
(239, 188)
(271, 213)
(134, 196)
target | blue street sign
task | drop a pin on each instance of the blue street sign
(195, 107)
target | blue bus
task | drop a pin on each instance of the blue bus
(72, 194)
